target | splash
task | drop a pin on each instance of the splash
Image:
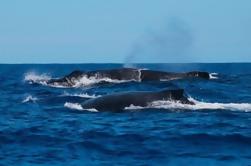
(83, 95)
(213, 75)
(199, 105)
(42, 79)
(74, 106)
(30, 98)
(77, 106)
(33, 77)
(87, 81)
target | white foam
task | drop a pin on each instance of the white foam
(77, 106)
(33, 77)
(213, 75)
(201, 105)
(74, 106)
(56, 85)
(83, 95)
(85, 81)
(30, 98)
(162, 104)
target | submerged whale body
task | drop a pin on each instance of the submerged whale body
(119, 101)
(124, 74)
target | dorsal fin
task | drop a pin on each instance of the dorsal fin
(75, 73)
(175, 94)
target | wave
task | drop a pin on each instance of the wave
(30, 98)
(82, 95)
(33, 77)
(77, 106)
(213, 75)
(199, 105)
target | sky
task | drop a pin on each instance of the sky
(131, 31)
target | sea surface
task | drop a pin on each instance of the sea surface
(43, 125)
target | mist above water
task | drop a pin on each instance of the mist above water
(170, 43)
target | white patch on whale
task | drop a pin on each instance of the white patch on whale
(140, 74)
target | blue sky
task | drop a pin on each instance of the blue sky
(99, 31)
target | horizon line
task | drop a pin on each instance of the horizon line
(123, 63)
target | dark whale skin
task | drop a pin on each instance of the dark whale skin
(126, 74)
(118, 101)
(151, 75)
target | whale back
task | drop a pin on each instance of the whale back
(118, 101)
(199, 74)
(116, 74)
(151, 75)
(75, 74)
(175, 94)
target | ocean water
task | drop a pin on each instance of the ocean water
(43, 125)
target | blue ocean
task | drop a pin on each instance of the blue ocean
(44, 125)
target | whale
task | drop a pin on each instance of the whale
(117, 102)
(124, 74)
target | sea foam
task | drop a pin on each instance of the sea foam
(83, 95)
(199, 105)
(77, 106)
(86, 81)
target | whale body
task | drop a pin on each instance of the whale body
(125, 74)
(119, 101)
